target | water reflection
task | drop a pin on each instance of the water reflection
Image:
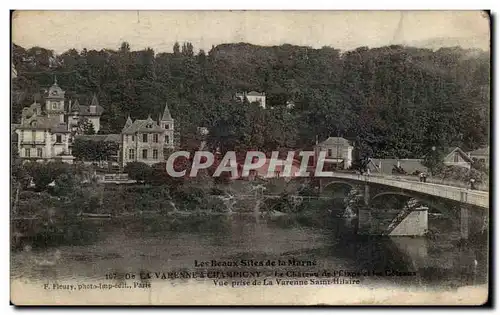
(91, 248)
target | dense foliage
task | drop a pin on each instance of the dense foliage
(138, 171)
(392, 101)
(90, 150)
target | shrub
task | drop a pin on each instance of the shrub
(65, 184)
(45, 173)
(138, 171)
(462, 174)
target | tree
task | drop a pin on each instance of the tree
(17, 170)
(87, 127)
(45, 173)
(176, 49)
(434, 161)
(65, 184)
(91, 150)
(85, 150)
(394, 101)
(125, 48)
(84, 127)
(138, 171)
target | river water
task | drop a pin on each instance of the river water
(155, 245)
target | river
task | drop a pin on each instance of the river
(134, 245)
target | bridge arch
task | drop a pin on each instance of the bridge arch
(419, 198)
(342, 182)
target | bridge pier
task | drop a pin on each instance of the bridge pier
(366, 195)
(464, 222)
(472, 221)
(393, 222)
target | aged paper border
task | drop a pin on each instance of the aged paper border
(396, 299)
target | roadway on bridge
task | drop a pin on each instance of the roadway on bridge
(464, 195)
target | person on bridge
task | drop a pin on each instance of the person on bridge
(421, 177)
(424, 177)
(472, 184)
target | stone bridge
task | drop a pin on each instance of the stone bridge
(471, 207)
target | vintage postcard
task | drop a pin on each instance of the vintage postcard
(250, 157)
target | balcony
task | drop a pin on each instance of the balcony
(33, 142)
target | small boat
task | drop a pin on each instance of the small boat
(95, 215)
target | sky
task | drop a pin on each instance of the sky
(345, 30)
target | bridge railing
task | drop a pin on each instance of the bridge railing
(479, 198)
(433, 180)
(440, 181)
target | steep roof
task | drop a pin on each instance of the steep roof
(44, 123)
(84, 110)
(139, 125)
(451, 150)
(32, 109)
(481, 151)
(334, 141)
(166, 113)
(60, 128)
(254, 93)
(128, 123)
(94, 101)
(76, 106)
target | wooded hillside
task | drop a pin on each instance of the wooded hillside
(392, 101)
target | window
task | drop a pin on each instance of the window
(33, 135)
(456, 158)
(54, 105)
(167, 126)
(131, 154)
(330, 152)
(155, 138)
(144, 137)
(133, 138)
(39, 152)
(145, 153)
(482, 160)
(149, 126)
(155, 154)
(58, 139)
(33, 123)
(167, 139)
(27, 152)
(126, 138)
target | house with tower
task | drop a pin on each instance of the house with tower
(147, 140)
(46, 131)
(91, 112)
